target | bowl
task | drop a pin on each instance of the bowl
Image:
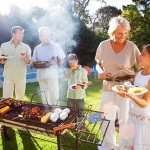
(41, 64)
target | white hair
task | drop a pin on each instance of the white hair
(44, 31)
(115, 22)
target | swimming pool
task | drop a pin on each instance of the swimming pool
(30, 76)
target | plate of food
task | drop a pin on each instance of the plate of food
(41, 64)
(137, 90)
(120, 88)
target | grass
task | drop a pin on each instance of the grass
(20, 140)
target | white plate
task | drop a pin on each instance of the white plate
(116, 88)
(137, 90)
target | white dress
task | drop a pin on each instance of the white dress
(139, 119)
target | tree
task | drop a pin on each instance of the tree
(140, 23)
(143, 5)
(80, 9)
(103, 16)
(87, 43)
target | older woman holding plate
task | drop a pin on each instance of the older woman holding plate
(115, 58)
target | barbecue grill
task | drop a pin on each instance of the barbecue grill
(88, 128)
(91, 120)
(12, 118)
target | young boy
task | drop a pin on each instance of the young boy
(77, 83)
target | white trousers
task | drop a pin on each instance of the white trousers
(51, 91)
(114, 105)
(10, 86)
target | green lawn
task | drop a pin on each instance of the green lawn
(20, 140)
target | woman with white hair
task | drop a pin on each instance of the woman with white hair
(115, 57)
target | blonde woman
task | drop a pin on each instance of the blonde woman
(116, 56)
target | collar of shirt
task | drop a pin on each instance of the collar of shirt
(80, 67)
(11, 41)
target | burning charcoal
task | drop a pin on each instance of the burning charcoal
(2, 105)
(35, 110)
(25, 108)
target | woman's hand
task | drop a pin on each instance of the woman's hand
(124, 94)
(104, 76)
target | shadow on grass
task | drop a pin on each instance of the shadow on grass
(70, 142)
(12, 143)
(27, 140)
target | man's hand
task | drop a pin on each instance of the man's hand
(24, 57)
(104, 76)
(53, 62)
(68, 74)
(2, 59)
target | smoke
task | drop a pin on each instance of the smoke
(32, 14)
(61, 23)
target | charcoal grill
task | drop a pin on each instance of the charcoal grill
(86, 128)
(12, 119)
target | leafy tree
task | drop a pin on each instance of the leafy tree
(80, 9)
(140, 23)
(103, 16)
(88, 42)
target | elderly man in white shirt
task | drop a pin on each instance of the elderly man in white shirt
(48, 77)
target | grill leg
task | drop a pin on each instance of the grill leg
(59, 142)
(77, 142)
